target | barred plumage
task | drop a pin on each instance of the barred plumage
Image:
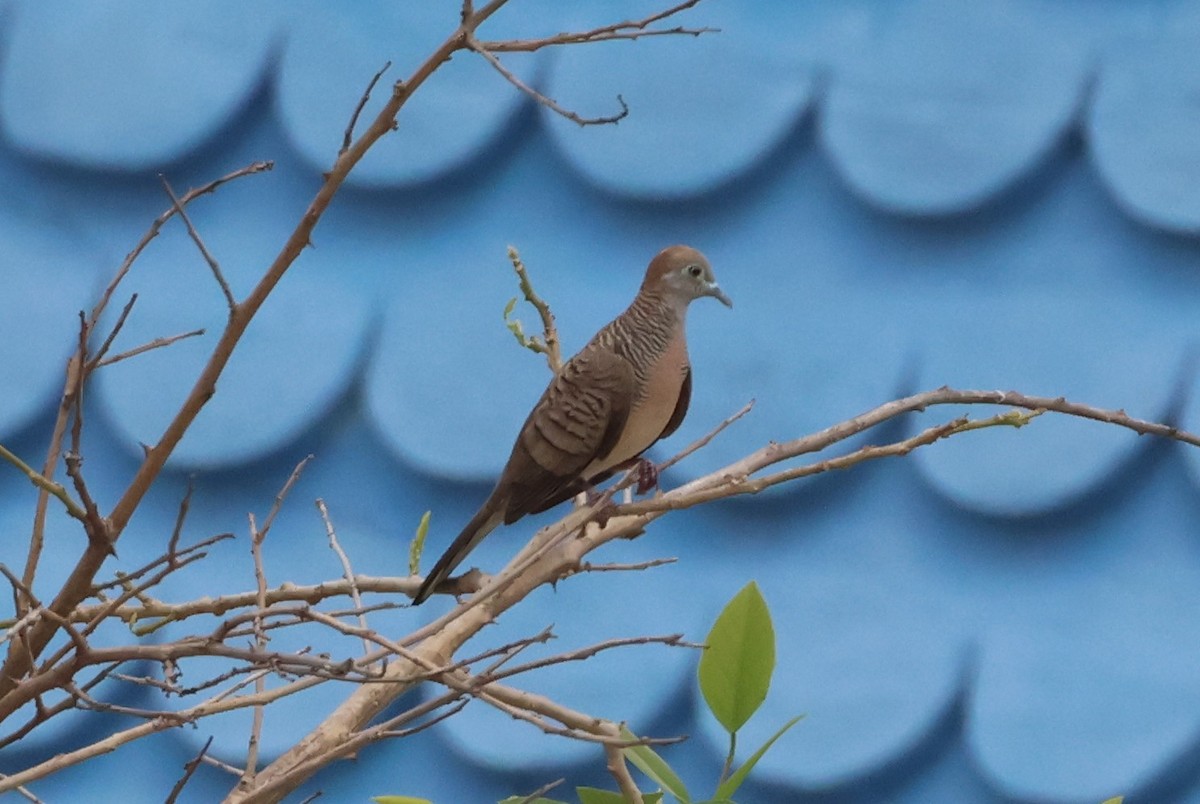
(627, 388)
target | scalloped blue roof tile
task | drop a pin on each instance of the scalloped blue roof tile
(1143, 126)
(952, 104)
(132, 84)
(1190, 420)
(38, 329)
(1090, 350)
(703, 112)
(1091, 689)
(902, 602)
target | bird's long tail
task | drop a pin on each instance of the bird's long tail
(483, 523)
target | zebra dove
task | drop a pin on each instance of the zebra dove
(626, 389)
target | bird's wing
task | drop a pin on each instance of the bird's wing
(579, 418)
(681, 405)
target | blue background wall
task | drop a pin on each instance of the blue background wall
(897, 196)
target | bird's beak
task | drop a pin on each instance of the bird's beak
(715, 291)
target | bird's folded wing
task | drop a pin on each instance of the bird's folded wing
(579, 418)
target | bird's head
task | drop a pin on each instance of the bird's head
(682, 274)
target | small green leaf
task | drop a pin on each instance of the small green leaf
(1114, 800)
(735, 779)
(399, 800)
(656, 768)
(735, 669)
(594, 795)
(514, 324)
(418, 545)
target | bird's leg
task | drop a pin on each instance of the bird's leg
(647, 475)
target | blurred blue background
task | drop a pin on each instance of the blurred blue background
(896, 195)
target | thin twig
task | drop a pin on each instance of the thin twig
(288, 485)
(348, 136)
(549, 342)
(545, 100)
(157, 343)
(189, 768)
(24, 792)
(213, 265)
(580, 654)
(124, 578)
(95, 359)
(161, 220)
(541, 791)
(55, 490)
(260, 646)
(703, 441)
(632, 567)
(232, 770)
(347, 570)
(629, 29)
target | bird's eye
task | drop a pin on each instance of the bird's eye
(694, 271)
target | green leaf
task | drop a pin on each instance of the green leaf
(655, 767)
(514, 324)
(735, 668)
(399, 800)
(1113, 800)
(418, 545)
(735, 779)
(594, 795)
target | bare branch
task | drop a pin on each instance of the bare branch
(670, 640)
(541, 791)
(704, 440)
(157, 343)
(112, 333)
(189, 768)
(213, 265)
(620, 771)
(548, 344)
(629, 29)
(545, 100)
(348, 136)
(24, 792)
(634, 567)
(160, 221)
(55, 490)
(347, 570)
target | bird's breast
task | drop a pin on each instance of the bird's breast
(657, 394)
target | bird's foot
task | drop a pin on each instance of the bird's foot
(647, 475)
